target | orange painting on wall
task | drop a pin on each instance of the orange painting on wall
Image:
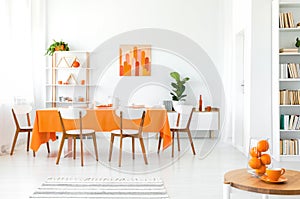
(135, 60)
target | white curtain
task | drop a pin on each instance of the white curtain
(16, 67)
(17, 63)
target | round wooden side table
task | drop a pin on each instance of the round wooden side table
(241, 179)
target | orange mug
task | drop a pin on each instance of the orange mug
(275, 173)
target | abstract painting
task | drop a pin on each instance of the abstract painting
(135, 60)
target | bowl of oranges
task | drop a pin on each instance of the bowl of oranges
(259, 157)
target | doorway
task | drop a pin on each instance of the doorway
(238, 91)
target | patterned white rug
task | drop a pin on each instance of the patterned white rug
(76, 187)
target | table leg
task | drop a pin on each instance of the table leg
(226, 191)
(265, 196)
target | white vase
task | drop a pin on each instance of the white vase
(176, 103)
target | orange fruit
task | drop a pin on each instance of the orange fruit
(254, 152)
(254, 163)
(262, 145)
(265, 159)
(261, 169)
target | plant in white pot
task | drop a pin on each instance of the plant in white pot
(177, 93)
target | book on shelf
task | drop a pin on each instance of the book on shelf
(295, 121)
(290, 20)
(296, 146)
(288, 50)
(282, 122)
(284, 74)
(289, 97)
(289, 146)
(298, 124)
(280, 147)
(289, 122)
(283, 97)
(286, 20)
(293, 70)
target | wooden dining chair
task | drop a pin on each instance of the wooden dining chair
(21, 112)
(184, 117)
(75, 114)
(127, 116)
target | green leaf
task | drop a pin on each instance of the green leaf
(175, 75)
(174, 85)
(186, 79)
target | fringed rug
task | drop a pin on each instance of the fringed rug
(76, 187)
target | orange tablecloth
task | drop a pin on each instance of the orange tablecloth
(47, 123)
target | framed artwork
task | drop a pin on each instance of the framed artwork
(135, 60)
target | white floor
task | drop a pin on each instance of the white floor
(185, 176)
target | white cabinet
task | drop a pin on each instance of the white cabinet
(285, 80)
(205, 121)
(201, 121)
(68, 79)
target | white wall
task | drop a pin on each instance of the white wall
(261, 73)
(87, 24)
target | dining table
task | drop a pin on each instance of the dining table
(47, 124)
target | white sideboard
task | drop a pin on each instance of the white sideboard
(201, 120)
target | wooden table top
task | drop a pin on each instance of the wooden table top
(243, 180)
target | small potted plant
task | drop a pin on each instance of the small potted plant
(57, 46)
(297, 44)
(179, 88)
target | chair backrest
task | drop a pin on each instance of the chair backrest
(184, 115)
(71, 114)
(127, 113)
(21, 109)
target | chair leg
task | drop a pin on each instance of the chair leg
(143, 149)
(133, 147)
(191, 141)
(178, 140)
(28, 140)
(112, 138)
(48, 147)
(95, 146)
(120, 152)
(81, 149)
(14, 143)
(60, 148)
(159, 144)
(173, 134)
(74, 147)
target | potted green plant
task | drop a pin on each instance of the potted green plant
(57, 46)
(179, 88)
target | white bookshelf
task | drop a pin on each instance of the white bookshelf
(284, 38)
